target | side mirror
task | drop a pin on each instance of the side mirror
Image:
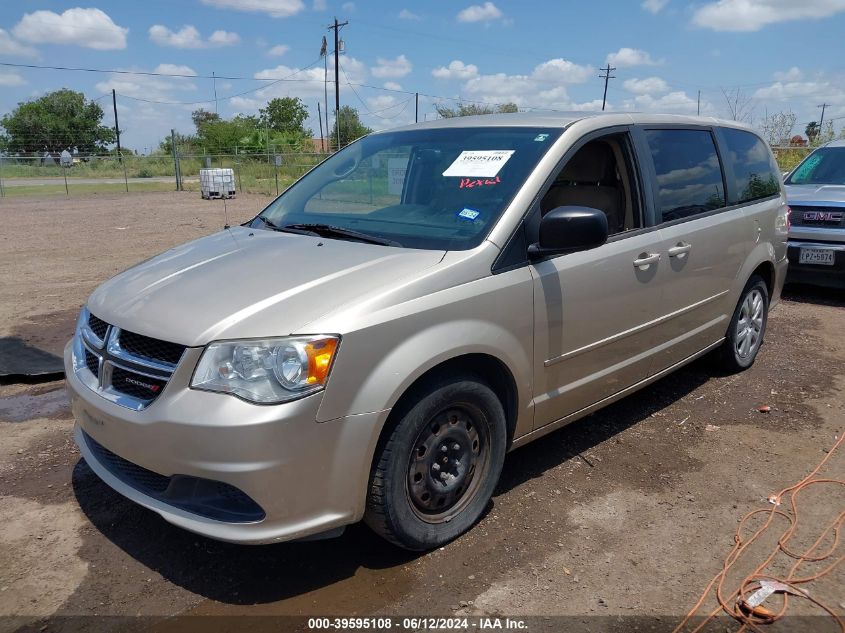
(569, 229)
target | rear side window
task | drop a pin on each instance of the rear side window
(754, 171)
(689, 175)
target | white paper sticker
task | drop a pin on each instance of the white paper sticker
(480, 163)
(396, 168)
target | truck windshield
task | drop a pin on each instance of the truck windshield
(438, 189)
(825, 166)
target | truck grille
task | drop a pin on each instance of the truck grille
(128, 368)
(832, 217)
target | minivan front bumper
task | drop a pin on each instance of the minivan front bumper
(286, 475)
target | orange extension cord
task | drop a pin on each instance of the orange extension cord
(735, 604)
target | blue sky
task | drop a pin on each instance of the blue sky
(782, 54)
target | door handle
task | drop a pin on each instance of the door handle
(647, 259)
(681, 249)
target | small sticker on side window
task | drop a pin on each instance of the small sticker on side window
(541, 137)
(469, 214)
(478, 163)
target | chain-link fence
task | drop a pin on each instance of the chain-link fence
(262, 173)
(258, 172)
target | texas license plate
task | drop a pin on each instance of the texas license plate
(823, 256)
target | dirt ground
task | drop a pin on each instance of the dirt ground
(627, 513)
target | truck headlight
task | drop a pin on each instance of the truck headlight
(267, 371)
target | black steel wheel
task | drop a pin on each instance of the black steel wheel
(438, 465)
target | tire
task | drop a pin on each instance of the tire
(747, 328)
(437, 467)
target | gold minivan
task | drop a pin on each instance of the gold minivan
(372, 343)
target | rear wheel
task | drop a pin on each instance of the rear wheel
(437, 468)
(747, 327)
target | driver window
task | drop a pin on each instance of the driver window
(600, 175)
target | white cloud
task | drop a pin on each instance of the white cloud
(392, 85)
(793, 74)
(456, 70)
(278, 50)
(626, 57)
(11, 78)
(649, 85)
(562, 70)
(486, 12)
(543, 87)
(654, 6)
(319, 5)
(90, 28)
(348, 6)
(10, 46)
(392, 68)
(273, 8)
(753, 15)
(175, 69)
(406, 14)
(223, 38)
(189, 37)
(151, 87)
(678, 102)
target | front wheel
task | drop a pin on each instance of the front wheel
(437, 468)
(747, 327)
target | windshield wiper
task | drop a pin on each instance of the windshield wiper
(286, 229)
(329, 230)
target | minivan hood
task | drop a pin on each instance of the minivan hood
(245, 283)
(816, 194)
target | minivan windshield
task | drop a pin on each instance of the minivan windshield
(825, 166)
(440, 189)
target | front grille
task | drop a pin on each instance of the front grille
(98, 326)
(206, 497)
(821, 216)
(136, 385)
(92, 363)
(128, 368)
(151, 348)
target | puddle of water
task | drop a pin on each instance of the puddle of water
(25, 406)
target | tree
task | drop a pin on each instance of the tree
(351, 127)
(469, 109)
(739, 105)
(63, 119)
(201, 117)
(777, 127)
(812, 131)
(285, 114)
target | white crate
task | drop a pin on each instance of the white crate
(217, 183)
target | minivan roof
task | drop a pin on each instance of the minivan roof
(564, 119)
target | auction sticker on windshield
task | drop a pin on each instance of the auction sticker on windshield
(480, 163)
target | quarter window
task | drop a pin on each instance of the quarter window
(755, 174)
(689, 175)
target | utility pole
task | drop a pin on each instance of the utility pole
(823, 106)
(322, 138)
(416, 107)
(175, 160)
(698, 109)
(336, 27)
(117, 128)
(214, 83)
(606, 76)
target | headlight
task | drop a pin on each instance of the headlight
(267, 371)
